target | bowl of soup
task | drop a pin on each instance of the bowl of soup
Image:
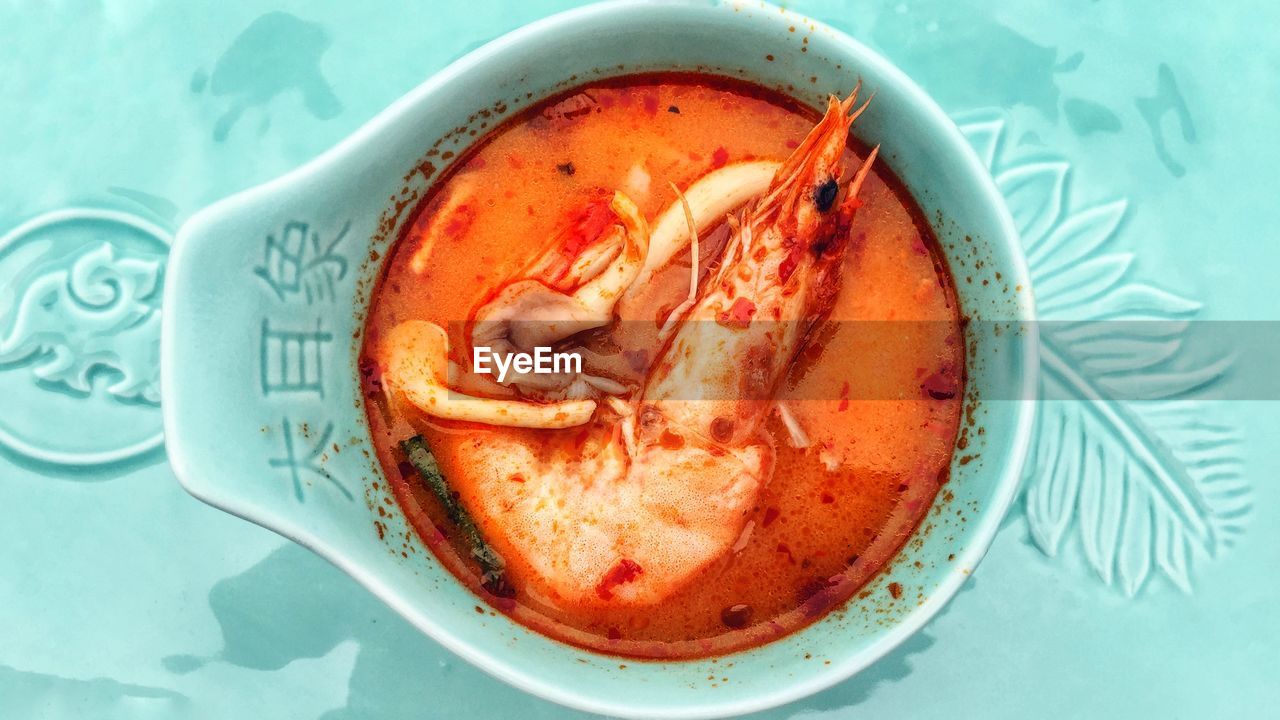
(662, 360)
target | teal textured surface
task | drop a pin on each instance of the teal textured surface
(1137, 140)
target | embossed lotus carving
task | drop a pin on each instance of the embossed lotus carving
(1140, 488)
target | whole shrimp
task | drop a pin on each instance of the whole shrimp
(632, 506)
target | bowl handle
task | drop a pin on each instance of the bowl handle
(260, 396)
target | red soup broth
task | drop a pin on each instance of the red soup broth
(881, 409)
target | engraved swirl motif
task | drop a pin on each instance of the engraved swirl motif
(80, 292)
(1149, 486)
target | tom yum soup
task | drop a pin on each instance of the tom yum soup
(613, 377)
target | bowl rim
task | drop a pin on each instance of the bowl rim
(536, 32)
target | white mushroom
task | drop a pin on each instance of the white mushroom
(415, 355)
(709, 198)
(530, 313)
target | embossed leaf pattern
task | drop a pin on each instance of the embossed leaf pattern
(1145, 486)
(1033, 193)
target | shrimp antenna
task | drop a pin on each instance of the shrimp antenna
(862, 108)
(847, 104)
(683, 307)
(855, 185)
(853, 96)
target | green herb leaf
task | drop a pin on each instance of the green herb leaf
(492, 566)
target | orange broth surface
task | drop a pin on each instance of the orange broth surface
(880, 402)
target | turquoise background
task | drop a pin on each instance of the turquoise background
(121, 596)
